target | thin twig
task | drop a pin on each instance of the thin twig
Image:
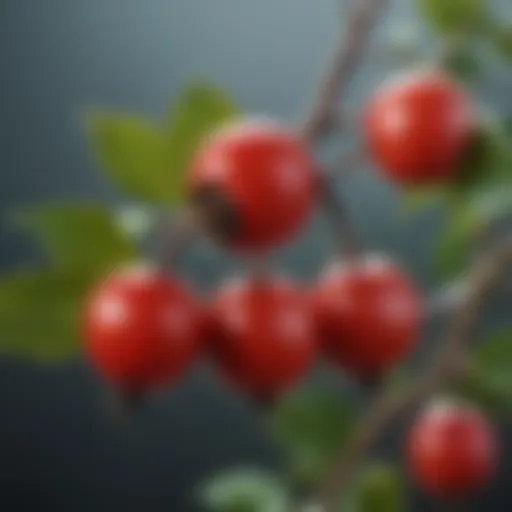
(324, 115)
(339, 216)
(446, 365)
(345, 61)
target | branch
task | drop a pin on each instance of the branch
(446, 365)
(338, 213)
(345, 61)
(324, 114)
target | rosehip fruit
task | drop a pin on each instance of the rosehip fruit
(452, 450)
(368, 315)
(253, 184)
(141, 328)
(419, 127)
(263, 336)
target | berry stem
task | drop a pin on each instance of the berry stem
(173, 236)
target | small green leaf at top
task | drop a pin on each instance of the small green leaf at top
(451, 16)
(132, 153)
(39, 313)
(490, 377)
(78, 237)
(245, 490)
(378, 488)
(199, 110)
(312, 425)
(148, 161)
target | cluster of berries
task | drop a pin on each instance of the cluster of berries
(253, 185)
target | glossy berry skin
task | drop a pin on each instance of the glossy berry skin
(451, 450)
(418, 128)
(263, 335)
(141, 329)
(368, 315)
(253, 183)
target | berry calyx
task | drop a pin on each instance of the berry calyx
(368, 315)
(418, 128)
(252, 184)
(263, 336)
(141, 329)
(451, 449)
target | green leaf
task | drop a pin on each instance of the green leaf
(148, 161)
(39, 312)
(502, 39)
(448, 17)
(490, 377)
(246, 490)
(132, 152)
(82, 238)
(455, 244)
(200, 109)
(380, 488)
(312, 426)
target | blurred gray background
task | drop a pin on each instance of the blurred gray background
(58, 449)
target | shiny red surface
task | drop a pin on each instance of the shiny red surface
(452, 450)
(368, 315)
(263, 335)
(266, 173)
(141, 328)
(418, 128)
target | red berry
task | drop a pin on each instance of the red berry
(418, 128)
(141, 328)
(264, 335)
(253, 184)
(451, 450)
(368, 315)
